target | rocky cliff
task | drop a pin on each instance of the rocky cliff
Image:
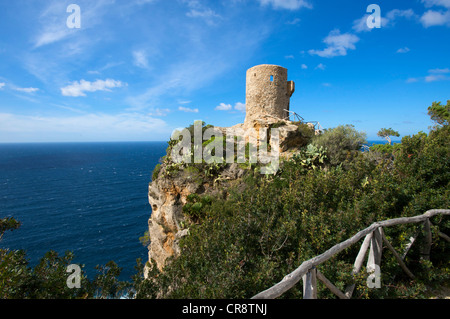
(174, 182)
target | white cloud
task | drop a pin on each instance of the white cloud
(50, 36)
(434, 75)
(320, 66)
(27, 90)
(79, 88)
(435, 18)
(240, 107)
(140, 59)
(439, 71)
(228, 107)
(187, 109)
(337, 44)
(287, 4)
(439, 3)
(223, 107)
(304, 66)
(403, 50)
(160, 112)
(197, 10)
(293, 22)
(2, 84)
(392, 15)
(360, 25)
(205, 13)
(437, 75)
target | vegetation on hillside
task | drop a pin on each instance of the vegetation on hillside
(264, 228)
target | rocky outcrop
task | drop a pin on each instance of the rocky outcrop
(168, 192)
(167, 195)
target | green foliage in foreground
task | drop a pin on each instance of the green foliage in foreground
(266, 227)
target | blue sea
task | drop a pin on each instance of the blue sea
(89, 198)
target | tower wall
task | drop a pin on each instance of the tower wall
(267, 92)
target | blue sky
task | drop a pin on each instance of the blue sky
(137, 69)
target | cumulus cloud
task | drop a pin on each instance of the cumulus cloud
(187, 109)
(2, 84)
(435, 18)
(79, 88)
(228, 107)
(337, 44)
(287, 4)
(223, 107)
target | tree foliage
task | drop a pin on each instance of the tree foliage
(387, 133)
(440, 113)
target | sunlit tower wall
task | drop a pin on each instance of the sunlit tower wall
(268, 92)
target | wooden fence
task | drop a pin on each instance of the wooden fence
(374, 238)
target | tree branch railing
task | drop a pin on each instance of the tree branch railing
(374, 238)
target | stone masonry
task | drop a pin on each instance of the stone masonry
(268, 93)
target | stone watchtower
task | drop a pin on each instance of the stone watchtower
(267, 92)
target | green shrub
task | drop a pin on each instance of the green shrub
(156, 171)
(342, 143)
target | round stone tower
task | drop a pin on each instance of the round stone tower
(267, 92)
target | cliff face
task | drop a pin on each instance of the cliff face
(173, 183)
(167, 195)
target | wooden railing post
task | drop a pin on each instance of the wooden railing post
(376, 247)
(310, 284)
(374, 260)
